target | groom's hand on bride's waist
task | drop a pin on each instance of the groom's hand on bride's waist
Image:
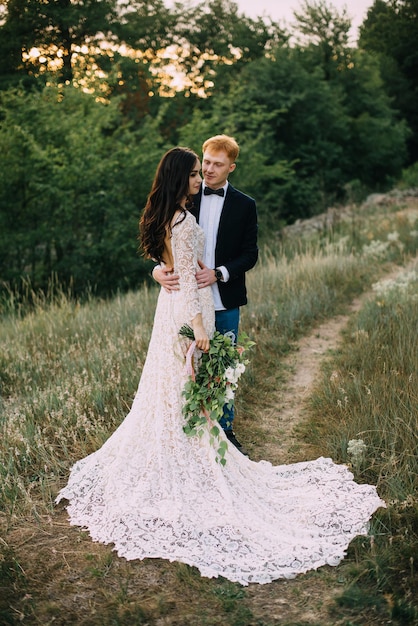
(205, 276)
(166, 278)
(170, 281)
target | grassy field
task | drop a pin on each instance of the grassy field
(69, 371)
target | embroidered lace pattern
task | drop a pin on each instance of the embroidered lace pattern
(152, 491)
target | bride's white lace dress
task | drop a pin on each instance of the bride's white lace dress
(152, 491)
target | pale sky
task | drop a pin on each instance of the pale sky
(280, 10)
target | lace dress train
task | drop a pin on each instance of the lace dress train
(152, 491)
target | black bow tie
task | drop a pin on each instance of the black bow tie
(219, 192)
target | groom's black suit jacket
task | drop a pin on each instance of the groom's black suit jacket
(236, 243)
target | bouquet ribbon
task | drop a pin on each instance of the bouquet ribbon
(189, 361)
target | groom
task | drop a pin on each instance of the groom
(229, 220)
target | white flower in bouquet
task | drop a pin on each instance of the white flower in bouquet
(231, 375)
(229, 394)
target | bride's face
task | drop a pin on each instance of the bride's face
(195, 179)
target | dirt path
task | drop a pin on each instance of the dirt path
(288, 405)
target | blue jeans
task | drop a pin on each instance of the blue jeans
(227, 322)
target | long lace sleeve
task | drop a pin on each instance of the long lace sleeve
(185, 253)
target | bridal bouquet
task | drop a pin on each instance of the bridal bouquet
(214, 383)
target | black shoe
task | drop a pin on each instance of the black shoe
(230, 435)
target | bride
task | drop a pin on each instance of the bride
(152, 491)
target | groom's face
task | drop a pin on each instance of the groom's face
(216, 167)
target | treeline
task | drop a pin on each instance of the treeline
(88, 104)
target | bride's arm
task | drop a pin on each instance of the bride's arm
(184, 242)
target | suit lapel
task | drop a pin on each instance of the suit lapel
(228, 214)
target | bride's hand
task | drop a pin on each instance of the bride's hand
(200, 335)
(201, 339)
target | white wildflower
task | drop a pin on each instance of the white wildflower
(376, 249)
(401, 283)
(393, 236)
(356, 449)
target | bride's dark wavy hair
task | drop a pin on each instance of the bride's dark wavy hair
(170, 186)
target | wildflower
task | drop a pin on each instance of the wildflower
(356, 449)
(376, 249)
(334, 376)
(393, 236)
(400, 284)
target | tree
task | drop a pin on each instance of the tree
(377, 146)
(15, 40)
(73, 180)
(213, 40)
(39, 36)
(390, 30)
(323, 27)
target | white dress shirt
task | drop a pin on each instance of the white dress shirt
(210, 214)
